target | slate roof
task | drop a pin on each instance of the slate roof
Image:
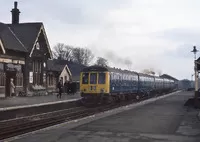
(52, 65)
(58, 65)
(26, 32)
(9, 39)
(75, 70)
(19, 37)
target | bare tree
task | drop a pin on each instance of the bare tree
(88, 56)
(82, 55)
(78, 55)
(101, 61)
(63, 51)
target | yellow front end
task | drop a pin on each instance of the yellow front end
(94, 83)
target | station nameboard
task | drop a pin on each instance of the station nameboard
(13, 67)
(30, 77)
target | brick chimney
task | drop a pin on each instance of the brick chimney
(15, 14)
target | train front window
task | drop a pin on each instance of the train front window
(85, 78)
(93, 78)
(102, 78)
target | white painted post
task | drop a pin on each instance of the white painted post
(196, 77)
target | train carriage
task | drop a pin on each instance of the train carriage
(158, 84)
(123, 81)
(94, 80)
(98, 83)
(146, 83)
(103, 83)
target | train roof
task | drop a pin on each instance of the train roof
(118, 70)
(169, 77)
(101, 68)
(95, 68)
(147, 75)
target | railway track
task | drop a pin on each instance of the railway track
(14, 127)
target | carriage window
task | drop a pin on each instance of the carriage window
(1, 67)
(93, 78)
(85, 78)
(102, 78)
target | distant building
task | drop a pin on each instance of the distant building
(62, 69)
(55, 72)
(184, 84)
(24, 51)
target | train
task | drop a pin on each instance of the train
(100, 84)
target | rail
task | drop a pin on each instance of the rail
(14, 127)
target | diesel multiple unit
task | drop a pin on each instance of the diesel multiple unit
(103, 83)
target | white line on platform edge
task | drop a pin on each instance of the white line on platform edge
(88, 119)
(37, 105)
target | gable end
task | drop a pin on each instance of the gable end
(47, 43)
(2, 47)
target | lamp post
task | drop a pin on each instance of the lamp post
(192, 77)
(192, 83)
(195, 75)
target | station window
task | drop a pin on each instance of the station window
(93, 78)
(1, 67)
(102, 78)
(19, 79)
(50, 80)
(37, 64)
(85, 78)
(114, 76)
(2, 79)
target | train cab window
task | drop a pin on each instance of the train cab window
(93, 78)
(102, 78)
(85, 78)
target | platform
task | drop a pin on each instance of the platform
(163, 120)
(21, 102)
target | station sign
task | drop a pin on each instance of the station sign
(31, 77)
(13, 67)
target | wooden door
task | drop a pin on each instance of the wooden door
(9, 75)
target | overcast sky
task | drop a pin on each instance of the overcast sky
(155, 34)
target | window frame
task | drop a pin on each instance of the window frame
(2, 79)
(104, 77)
(19, 79)
(84, 79)
(90, 78)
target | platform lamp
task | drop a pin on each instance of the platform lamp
(196, 75)
(192, 83)
(192, 77)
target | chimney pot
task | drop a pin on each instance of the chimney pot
(15, 14)
(15, 4)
